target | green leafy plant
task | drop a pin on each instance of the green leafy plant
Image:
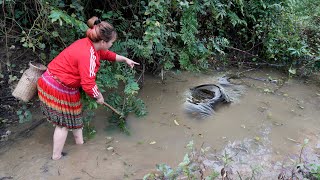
(316, 170)
(3, 122)
(89, 131)
(24, 114)
(117, 82)
(192, 167)
(179, 34)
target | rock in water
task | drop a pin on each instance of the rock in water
(202, 99)
(4, 134)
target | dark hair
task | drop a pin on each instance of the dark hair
(100, 30)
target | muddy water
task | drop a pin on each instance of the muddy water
(266, 127)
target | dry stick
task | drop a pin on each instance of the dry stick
(254, 46)
(112, 108)
(6, 38)
(248, 70)
(301, 151)
(242, 51)
(261, 64)
(84, 171)
(239, 175)
(313, 61)
(141, 75)
(162, 74)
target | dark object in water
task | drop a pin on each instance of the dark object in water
(208, 93)
(202, 99)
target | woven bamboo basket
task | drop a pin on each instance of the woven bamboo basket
(27, 85)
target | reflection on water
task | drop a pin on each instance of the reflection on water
(262, 128)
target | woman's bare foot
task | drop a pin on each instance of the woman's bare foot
(59, 157)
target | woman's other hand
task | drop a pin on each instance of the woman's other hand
(100, 99)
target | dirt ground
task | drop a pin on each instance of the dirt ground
(13, 62)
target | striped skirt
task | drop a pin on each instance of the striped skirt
(61, 104)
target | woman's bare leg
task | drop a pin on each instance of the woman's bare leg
(78, 136)
(59, 138)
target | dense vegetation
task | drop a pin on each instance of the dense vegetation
(161, 35)
(164, 34)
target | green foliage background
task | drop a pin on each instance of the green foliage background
(163, 34)
(166, 34)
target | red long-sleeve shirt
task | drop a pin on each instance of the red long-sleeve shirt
(77, 65)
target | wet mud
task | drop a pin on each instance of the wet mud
(264, 127)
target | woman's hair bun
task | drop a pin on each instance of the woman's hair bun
(100, 30)
(91, 21)
(98, 21)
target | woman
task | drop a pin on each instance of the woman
(75, 67)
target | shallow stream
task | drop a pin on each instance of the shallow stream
(267, 124)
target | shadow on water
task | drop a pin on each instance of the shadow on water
(266, 124)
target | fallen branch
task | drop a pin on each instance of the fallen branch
(260, 64)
